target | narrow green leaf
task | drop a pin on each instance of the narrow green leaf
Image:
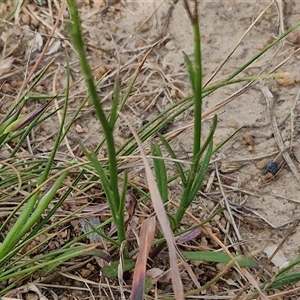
(148, 284)
(209, 137)
(160, 172)
(104, 180)
(111, 271)
(48, 260)
(259, 54)
(13, 237)
(218, 257)
(173, 155)
(124, 191)
(203, 170)
(114, 109)
(72, 253)
(43, 203)
(285, 280)
(110, 185)
(49, 165)
(190, 69)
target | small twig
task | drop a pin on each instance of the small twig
(258, 274)
(241, 210)
(293, 54)
(279, 5)
(264, 266)
(228, 208)
(236, 46)
(167, 21)
(270, 103)
(39, 59)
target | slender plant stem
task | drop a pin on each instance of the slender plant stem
(107, 126)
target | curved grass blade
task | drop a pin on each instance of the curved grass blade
(217, 257)
(160, 172)
(27, 218)
(173, 155)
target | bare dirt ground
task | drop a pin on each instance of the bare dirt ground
(120, 34)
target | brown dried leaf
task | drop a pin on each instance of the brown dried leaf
(146, 237)
(162, 218)
(5, 65)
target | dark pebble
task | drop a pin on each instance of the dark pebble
(272, 167)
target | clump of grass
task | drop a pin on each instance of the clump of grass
(44, 179)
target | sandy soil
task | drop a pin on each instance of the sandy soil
(126, 30)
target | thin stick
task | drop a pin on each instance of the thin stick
(236, 46)
(228, 208)
(25, 82)
(270, 103)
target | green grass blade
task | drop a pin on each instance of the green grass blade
(203, 170)
(208, 139)
(13, 237)
(43, 203)
(112, 187)
(259, 54)
(160, 172)
(190, 193)
(115, 204)
(124, 192)
(104, 180)
(173, 155)
(111, 271)
(28, 217)
(190, 70)
(114, 109)
(87, 72)
(283, 281)
(47, 260)
(197, 92)
(217, 257)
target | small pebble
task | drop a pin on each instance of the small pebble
(248, 139)
(25, 18)
(139, 43)
(4, 154)
(18, 31)
(248, 177)
(85, 272)
(220, 267)
(210, 206)
(35, 22)
(144, 27)
(233, 123)
(223, 222)
(274, 89)
(79, 129)
(90, 267)
(6, 88)
(260, 165)
(3, 9)
(267, 177)
(250, 148)
(170, 45)
(39, 89)
(285, 79)
(14, 83)
(214, 288)
(100, 71)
